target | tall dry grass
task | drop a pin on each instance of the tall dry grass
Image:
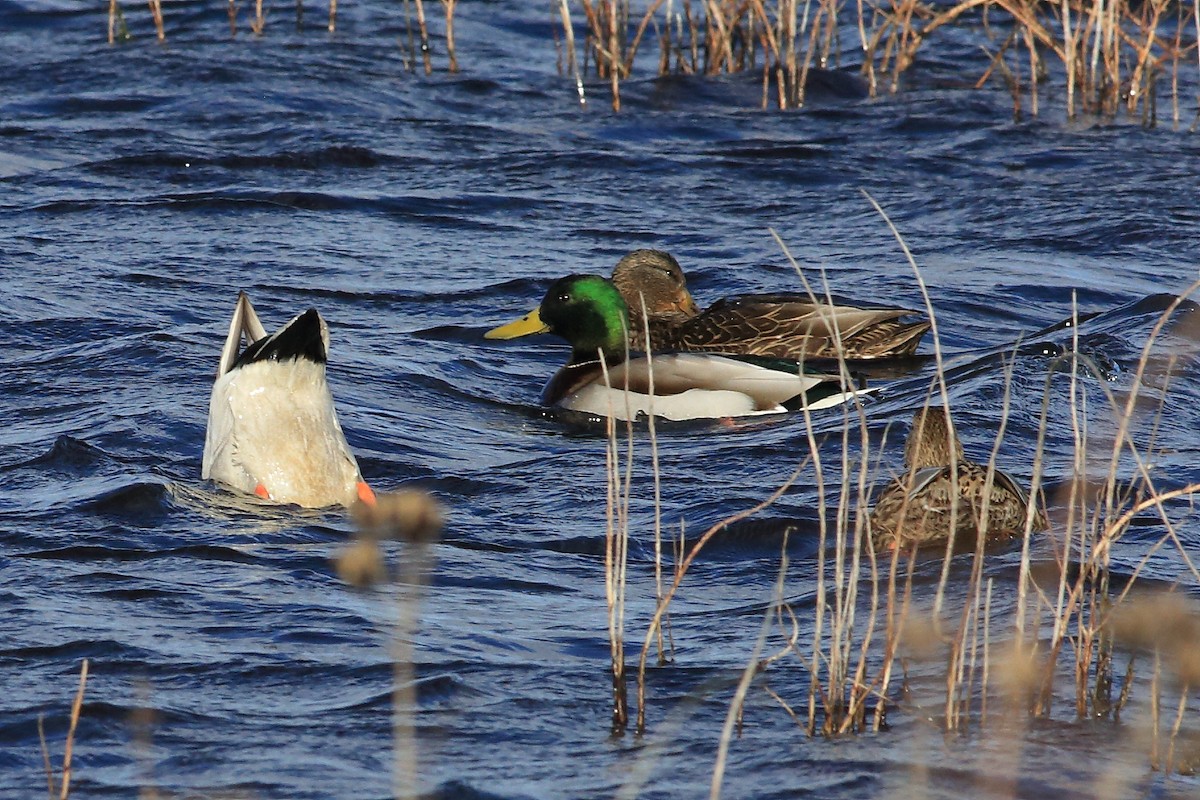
(1074, 636)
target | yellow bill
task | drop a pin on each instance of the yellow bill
(527, 325)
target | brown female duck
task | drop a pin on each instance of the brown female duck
(783, 325)
(915, 509)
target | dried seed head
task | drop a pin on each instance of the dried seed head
(409, 515)
(920, 639)
(1168, 623)
(361, 564)
(1018, 669)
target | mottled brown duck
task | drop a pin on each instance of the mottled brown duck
(915, 509)
(782, 325)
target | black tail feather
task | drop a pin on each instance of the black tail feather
(300, 339)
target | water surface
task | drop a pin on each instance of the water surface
(144, 185)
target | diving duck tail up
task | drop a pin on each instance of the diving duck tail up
(272, 428)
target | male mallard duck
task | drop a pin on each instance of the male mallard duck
(272, 428)
(915, 509)
(783, 325)
(587, 311)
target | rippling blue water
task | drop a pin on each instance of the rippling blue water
(144, 185)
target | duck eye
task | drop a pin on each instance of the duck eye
(563, 297)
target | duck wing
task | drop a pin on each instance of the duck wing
(789, 325)
(1008, 505)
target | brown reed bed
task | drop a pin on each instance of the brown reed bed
(1103, 58)
(1073, 636)
(1110, 56)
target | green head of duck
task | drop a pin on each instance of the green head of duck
(586, 310)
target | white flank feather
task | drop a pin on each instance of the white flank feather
(697, 386)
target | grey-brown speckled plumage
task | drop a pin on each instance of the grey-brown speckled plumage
(783, 325)
(915, 509)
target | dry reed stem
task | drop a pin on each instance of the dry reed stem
(259, 21)
(76, 708)
(332, 14)
(1069, 606)
(694, 38)
(425, 53)
(1131, 399)
(1196, 22)
(896, 617)
(752, 668)
(156, 13)
(415, 518)
(1143, 53)
(572, 55)
(836, 661)
(790, 646)
(1069, 62)
(614, 56)
(46, 758)
(1093, 549)
(1155, 700)
(616, 546)
(987, 655)
(405, 783)
(631, 51)
(943, 390)
(857, 709)
(654, 466)
(1183, 698)
(797, 79)
(448, 6)
(954, 686)
(1065, 601)
(142, 720)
